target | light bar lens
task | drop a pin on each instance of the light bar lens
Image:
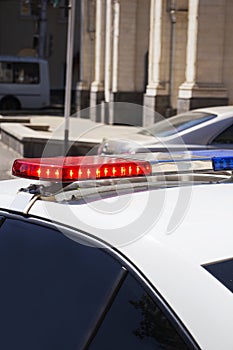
(222, 163)
(69, 169)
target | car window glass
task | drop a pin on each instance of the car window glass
(177, 123)
(51, 287)
(19, 72)
(223, 271)
(136, 322)
(26, 73)
(225, 136)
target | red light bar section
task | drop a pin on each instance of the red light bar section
(69, 169)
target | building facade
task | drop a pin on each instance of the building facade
(38, 28)
(166, 55)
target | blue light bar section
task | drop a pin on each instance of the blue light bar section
(222, 163)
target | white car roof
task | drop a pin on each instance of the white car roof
(202, 222)
(204, 219)
(30, 59)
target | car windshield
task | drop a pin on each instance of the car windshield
(176, 124)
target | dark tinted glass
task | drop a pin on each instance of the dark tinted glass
(136, 322)
(19, 73)
(51, 287)
(225, 137)
(223, 271)
(26, 73)
(6, 72)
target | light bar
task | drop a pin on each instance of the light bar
(222, 163)
(69, 169)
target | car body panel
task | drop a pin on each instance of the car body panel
(168, 251)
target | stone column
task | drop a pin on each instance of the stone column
(108, 52)
(205, 52)
(97, 86)
(129, 47)
(87, 46)
(156, 97)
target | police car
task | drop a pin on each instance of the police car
(100, 252)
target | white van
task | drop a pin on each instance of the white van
(24, 83)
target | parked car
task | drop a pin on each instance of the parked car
(210, 127)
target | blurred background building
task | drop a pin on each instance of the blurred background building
(167, 55)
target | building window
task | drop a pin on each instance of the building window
(25, 8)
(29, 8)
